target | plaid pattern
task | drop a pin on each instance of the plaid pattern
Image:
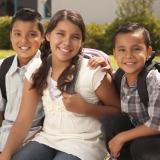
(131, 104)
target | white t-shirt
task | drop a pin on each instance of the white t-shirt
(70, 132)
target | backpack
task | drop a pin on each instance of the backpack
(141, 81)
(6, 64)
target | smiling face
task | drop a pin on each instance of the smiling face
(131, 52)
(65, 41)
(26, 40)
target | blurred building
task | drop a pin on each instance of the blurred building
(9, 7)
(93, 11)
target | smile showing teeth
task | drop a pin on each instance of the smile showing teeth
(24, 48)
(64, 50)
(130, 63)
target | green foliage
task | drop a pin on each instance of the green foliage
(131, 8)
(6, 53)
(45, 23)
(100, 36)
(95, 36)
(4, 32)
(135, 11)
(151, 23)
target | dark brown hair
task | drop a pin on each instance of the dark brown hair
(67, 76)
(28, 14)
(131, 28)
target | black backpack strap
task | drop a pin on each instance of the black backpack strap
(141, 83)
(70, 88)
(3, 70)
(117, 78)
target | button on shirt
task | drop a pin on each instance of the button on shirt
(14, 86)
(131, 104)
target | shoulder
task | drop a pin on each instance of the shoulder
(7, 59)
(153, 79)
(153, 75)
(34, 65)
(86, 69)
(1, 61)
(36, 62)
(91, 77)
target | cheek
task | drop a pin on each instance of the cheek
(13, 43)
(54, 41)
(37, 42)
(116, 57)
(77, 45)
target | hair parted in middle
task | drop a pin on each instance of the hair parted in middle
(40, 77)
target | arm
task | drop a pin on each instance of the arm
(23, 122)
(106, 92)
(1, 117)
(120, 139)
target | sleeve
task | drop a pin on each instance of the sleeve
(97, 77)
(32, 68)
(153, 87)
(91, 77)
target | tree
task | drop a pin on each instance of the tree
(139, 11)
(130, 8)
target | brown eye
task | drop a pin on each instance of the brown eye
(32, 34)
(17, 34)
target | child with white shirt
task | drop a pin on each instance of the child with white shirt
(26, 34)
(71, 129)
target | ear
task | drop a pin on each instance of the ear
(10, 35)
(114, 54)
(149, 51)
(48, 35)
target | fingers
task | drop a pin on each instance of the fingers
(66, 95)
(94, 62)
(114, 150)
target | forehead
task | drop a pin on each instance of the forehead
(25, 25)
(67, 25)
(132, 37)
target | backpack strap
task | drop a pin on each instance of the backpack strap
(142, 85)
(3, 70)
(141, 81)
(71, 87)
(117, 78)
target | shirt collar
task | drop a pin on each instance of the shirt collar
(14, 67)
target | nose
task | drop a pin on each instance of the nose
(67, 41)
(128, 54)
(24, 39)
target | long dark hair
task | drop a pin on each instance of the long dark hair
(67, 76)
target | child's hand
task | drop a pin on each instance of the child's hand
(115, 145)
(94, 62)
(74, 103)
(3, 157)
